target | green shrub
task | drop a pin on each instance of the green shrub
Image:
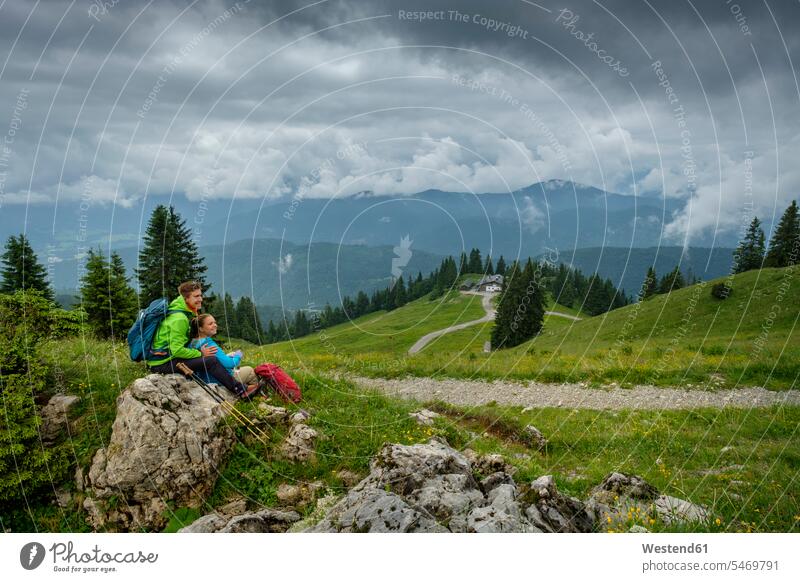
(25, 466)
(721, 290)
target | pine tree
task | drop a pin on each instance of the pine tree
(248, 321)
(22, 270)
(362, 304)
(227, 320)
(750, 253)
(784, 246)
(489, 269)
(520, 313)
(650, 283)
(672, 281)
(501, 266)
(462, 263)
(475, 264)
(168, 257)
(109, 302)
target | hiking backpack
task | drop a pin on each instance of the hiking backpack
(280, 381)
(142, 332)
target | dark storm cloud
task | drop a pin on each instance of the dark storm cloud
(227, 99)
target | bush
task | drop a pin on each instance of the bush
(25, 466)
(721, 290)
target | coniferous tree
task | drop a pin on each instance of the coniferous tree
(168, 257)
(475, 264)
(650, 283)
(248, 320)
(22, 270)
(750, 253)
(109, 302)
(462, 263)
(672, 281)
(501, 266)
(227, 320)
(362, 304)
(489, 269)
(784, 246)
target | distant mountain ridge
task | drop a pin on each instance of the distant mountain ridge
(554, 214)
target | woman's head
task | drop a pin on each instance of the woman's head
(204, 325)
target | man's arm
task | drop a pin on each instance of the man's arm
(178, 326)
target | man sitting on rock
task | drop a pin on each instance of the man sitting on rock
(173, 335)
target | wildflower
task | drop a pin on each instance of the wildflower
(718, 521)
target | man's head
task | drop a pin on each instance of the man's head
(192, 293)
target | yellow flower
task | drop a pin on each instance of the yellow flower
(718, 521)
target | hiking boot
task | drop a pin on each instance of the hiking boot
(249, 392)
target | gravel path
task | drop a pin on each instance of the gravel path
(474, 392)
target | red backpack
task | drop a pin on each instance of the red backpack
(280, 381)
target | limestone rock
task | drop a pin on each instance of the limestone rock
(55, 417)
(553, 512)
(424, 417)
(264, 521)
(299, 443)
(272, 414)
(536, 438)
(621, 495)
(376, 510)
(167, 443)
(349, 478)
(502, 515)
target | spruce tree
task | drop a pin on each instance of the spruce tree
(489, 269)
(109, 302)
(21, 268)
(501, 266)
(750, 253)
(650, 283)
(784, 246)
(168, 257)
(672, 281)
(520, 313)
(475, 264)
(248, 320)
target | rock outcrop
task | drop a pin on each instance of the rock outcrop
(431, 487)
(166, 445)
(426, 487)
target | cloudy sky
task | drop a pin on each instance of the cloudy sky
(123, 99)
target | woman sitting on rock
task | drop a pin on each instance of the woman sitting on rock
(203, 328)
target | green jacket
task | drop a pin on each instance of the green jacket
(173, 332)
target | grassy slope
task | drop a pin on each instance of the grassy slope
(686, 337)
(678, 451)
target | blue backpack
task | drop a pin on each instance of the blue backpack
(141, 334)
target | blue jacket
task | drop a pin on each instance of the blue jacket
(227, 361)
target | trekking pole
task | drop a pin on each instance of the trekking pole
(238, 415)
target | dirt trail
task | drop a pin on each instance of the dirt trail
(537, 395)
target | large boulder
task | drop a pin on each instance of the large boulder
(166, 445)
